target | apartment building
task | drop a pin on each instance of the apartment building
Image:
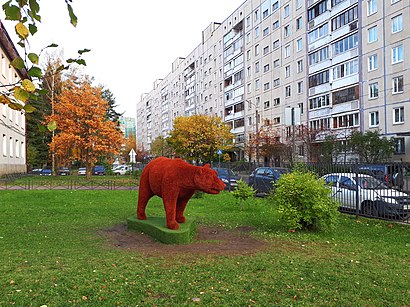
(12, 122)
(316, 66)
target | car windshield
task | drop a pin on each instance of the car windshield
(371, 183)
(225, 172)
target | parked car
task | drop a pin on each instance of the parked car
(228, 177)
(384, 172)
(64, 171)
(35, 171)
(121, 170)
(374, 197)
(46, 172)
(99, 170)
(262, 179)
(82, 171)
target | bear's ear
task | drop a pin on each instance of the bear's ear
(207, 165)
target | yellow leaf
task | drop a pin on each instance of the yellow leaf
(21, 94)
(22, 30)
(28, 85)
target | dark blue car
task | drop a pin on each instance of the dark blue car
(228, 177)
(99, 170)
(263, 178)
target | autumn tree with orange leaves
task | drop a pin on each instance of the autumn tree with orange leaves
(82, 130)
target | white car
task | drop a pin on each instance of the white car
(121, 170)
(82, 171)
(373, 197)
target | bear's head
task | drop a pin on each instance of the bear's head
(206, 180)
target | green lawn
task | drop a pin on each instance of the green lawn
(51, 253)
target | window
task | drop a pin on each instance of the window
(287, 91)
(318, 33)
(399, 146)
(299, 45)
(300, 66)
(248, 38)
(4, 140)
(256, 32)
(348, 120)
(317, 10)
(344, 18)
(346, 69)
(11, 147)
(256, 15)
(275, 6)
(265, 31)
(287, 11)
(346, 95)
(372, 62)
(397, 54)
(256, 49)
(374, 119)
(265, 14)
(397, 24)
(287, 51)
(248, 21)
(266, 50)
(318, 102)
(275, 25)
(266, 104)
(319, 56)
(257, 84)
(266, 68)
(398, 115)
(249, 88)
(266, 86)
(257, 67)
(286, 31)
(372, 35)
(248, 71)
(276, 63)
(394, 1)
(300, 87)
(398, 85)
(276, 82)
(287, 71)
(319, 78)
(373, 90)
(298, 4)
(276, 44)
(345, 44)
(276, 120)
(371, 7)
(276, 101)
(248, 55)
(299, 24)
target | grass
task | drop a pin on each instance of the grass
(52, 254)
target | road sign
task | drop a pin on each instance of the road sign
(132, 155)
(219, 152)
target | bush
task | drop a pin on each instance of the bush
(304, 201)
(243, 192)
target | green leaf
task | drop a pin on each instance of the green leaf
(33, 58)
(53, 45)
(73, 18)
(81, 62)
(12, 12)
(60, 68)
(17, 63)
(83, 51)
(28, 85)
(32, 28)
(42, 92)
(51, 126)
(35, 72)
(71, 61)
(29, 108)
(41, 128)
(22, 30)
(22, 3)
(21, 94)
(15, 106)
(34, 6)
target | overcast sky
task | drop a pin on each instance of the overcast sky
(132, 42)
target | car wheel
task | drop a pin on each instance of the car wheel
(370, 209)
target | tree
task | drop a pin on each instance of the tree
(199, 137)
(161, 147)
(112, 114)
(371, 147)
(82, 130)
(22, 93)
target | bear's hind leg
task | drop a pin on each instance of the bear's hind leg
(144, 195)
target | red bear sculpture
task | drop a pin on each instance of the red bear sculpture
(175, 181)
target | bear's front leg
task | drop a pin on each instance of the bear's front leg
(170, 203)
(181, 205)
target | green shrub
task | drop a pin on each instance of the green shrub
(305, 202)
(243, 192)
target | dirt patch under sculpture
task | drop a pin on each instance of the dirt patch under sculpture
(208, 241)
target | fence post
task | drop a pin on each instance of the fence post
(356, 169)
